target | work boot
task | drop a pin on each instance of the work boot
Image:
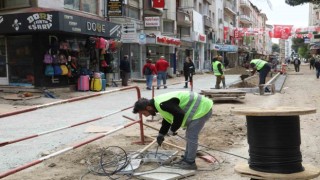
(182, 164)
(165, 87)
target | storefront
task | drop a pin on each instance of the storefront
(199, 50)
(185, 50)
(31, 42)
(163, 46)
(229, 53)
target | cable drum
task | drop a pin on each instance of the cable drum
(274, 144)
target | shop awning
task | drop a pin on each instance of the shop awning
(47, 20)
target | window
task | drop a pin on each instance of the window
(90, 6)
(131, 12)
(8, 4)
(168, 26)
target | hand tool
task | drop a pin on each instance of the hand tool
(156, 151)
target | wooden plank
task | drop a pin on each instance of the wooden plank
(224, 95)
(221, 91)
(309, 172)
(19, 97)
(273, 111)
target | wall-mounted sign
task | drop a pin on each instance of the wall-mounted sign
(225, 47)
(152, 21)
(114, 7)
(198, 37)
(164, 40)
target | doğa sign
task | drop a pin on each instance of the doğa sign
(168, 41)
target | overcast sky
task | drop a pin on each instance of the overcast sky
(283, 14)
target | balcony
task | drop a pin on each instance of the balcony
(245, 19)
(148, 10)
(207, 21)
(209, 1)
(228, 6)
(183, 19)
(245, 4)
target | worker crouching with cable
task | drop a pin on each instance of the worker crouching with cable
(188, 110)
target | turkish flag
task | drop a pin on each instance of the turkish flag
(282, 31)
(158, 4)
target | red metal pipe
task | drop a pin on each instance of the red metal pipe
(61, 128)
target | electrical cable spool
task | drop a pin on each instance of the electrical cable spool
(274, 144)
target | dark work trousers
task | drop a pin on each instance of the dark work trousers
(317, 73)
(263, 73)
(124, 78)
(187, 78)
(297, 67)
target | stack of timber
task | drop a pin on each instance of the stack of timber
(224, 94)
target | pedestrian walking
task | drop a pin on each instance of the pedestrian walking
(312, 62)
(149, 70)
(188, 110)
(188, 71)
(125, 70)
(263, 68)
(218, 67)
(296, 63)
(317, 66)
(162, 66)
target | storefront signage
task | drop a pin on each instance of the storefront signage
(71, 23)
(225, 47)
(96, 27)
(29, 22)
(57, 21)
(41, 21)
(114, 7)
(78, 24)
(152, 21)
(168, 41)
(198, 37)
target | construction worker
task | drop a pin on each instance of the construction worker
(263, 68)
(218, 67)
(188, 110)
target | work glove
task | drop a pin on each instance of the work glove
(160, 139)
(222, 76)
(171, 133)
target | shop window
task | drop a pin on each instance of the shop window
(168, 26)
(20, 60)
(89, 6)
(3, 64)
(9, 4)
(131, 12)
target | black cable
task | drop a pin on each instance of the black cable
(211, 148)
(274, 144)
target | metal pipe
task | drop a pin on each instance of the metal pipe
(59, 129)
(10, 172)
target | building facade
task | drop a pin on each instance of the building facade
(96, 34)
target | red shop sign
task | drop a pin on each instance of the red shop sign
(168, 41)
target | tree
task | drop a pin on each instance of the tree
(300, 47)
(300, 2)
(275, 48)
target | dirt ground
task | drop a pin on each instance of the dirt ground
(225, 132)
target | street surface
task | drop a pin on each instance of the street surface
(50, 118)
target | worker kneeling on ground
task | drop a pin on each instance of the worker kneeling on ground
(188, 110)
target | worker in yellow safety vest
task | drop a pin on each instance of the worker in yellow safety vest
(218, 67)
(262, 67)
(188, 110)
